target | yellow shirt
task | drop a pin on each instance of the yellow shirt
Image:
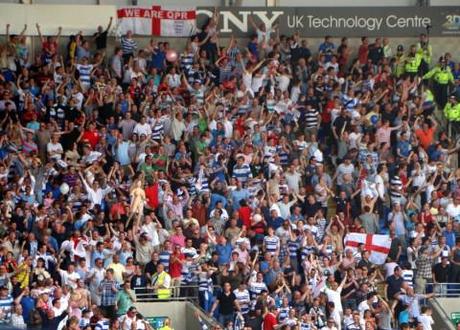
(166, 328)
(23, 275)
(118, 270)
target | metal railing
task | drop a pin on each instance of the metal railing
(445, 290)
(178, 293)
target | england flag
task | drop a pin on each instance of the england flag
(378, 245)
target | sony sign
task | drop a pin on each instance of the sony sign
(337, 21)
(239, 19)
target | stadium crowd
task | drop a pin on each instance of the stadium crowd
(231, 174)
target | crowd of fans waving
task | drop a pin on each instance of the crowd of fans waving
(230, 175)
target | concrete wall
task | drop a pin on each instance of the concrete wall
(442, 308)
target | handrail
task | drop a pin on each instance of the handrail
(149, 294)
(445, 290)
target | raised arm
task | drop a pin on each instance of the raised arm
(42, 39)
(7, 33)
(58, 35)
(23, 30)
(109, 25)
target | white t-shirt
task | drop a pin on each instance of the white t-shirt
(452, 210)
(335, 297)
(142, 129)
(55, 147)
(426, 321)
(69, 278)
(283, 82)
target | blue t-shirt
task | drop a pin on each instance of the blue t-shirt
(403, 317)
(224, 252)
(158, 60)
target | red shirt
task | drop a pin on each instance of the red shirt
(245, 216)
(425, 137)
(363, 51)
(270, 321)
(92, 137)
(50, 47)
(151, 193)
(117, 209)
(175, 267)
(326, 114)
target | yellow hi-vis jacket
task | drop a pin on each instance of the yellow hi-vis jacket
(441, 75)
(452, 111)
(163, 282)
(413, 62)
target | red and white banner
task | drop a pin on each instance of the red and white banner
(378, 245)
(158, 21)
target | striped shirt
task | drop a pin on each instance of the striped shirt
(305, 326)
(29, 147)
(311, 118)
(164, 258)
(255, 288)
(269, 152)
(102, 325)
(284, 156)
(6, 305)
(186, 61)
(293, 247)
(243, 108)
(188, 273)
(396, 188)
(85, 73)
(204, 283)
(243, 299)
(128, 46)
(307, 250)
(349, 102)
(271, 243)
(408, 276)
(198, 94)
(242, 173)
(158, 130)
(283, 313)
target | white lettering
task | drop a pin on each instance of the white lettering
(298, 21)
(204, 12)
(353, 22)
(393, 21)
(228, 17)
(268, 21)
(290, 24)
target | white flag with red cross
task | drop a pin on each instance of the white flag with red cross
(378, 245)
(158, 21)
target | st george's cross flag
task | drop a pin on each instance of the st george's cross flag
(378, 245)
(157, 21)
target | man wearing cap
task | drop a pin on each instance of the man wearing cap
(412, 61)
(452, 109)
(442, 77)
